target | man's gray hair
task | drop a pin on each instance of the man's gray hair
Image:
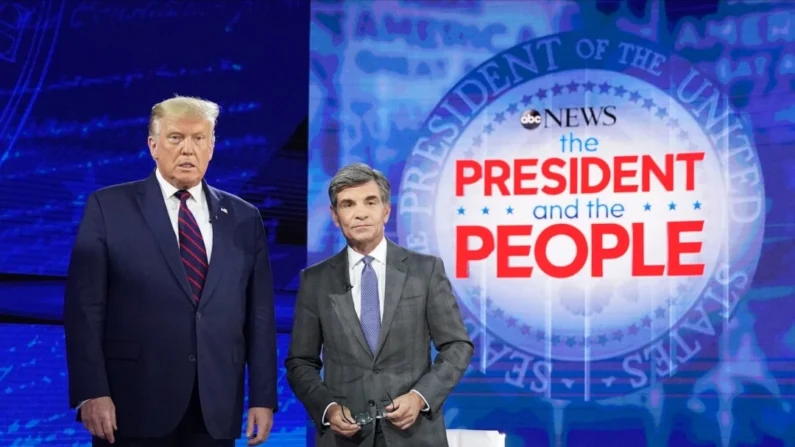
(357, 174)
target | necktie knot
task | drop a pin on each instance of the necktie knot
(367, 260)
(182, 195)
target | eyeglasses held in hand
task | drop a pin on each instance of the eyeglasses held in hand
(375, 413)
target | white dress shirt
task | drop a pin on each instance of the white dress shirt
(355, 268)
(197, 204)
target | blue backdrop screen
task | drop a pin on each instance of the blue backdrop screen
(33, 386)
(78, 80)
(609, 186)
(77, 83)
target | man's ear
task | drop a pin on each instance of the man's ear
(334, 216)
(152, 143)
(387, 212)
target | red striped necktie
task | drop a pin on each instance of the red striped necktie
(191, 246)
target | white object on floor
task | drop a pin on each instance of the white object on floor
(475, 438)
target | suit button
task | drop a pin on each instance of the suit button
(376, 370)
(198, 315)
(192, 358)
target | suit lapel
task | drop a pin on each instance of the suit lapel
(342, 298)
(222, 233)
(153, 207)
(396, 269)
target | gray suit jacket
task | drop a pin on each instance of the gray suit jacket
(419, 307)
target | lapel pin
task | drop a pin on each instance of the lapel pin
(223, 210)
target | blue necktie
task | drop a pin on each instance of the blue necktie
(371, 306)
(191, 246)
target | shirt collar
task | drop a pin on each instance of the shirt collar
(196, 193)
(378, 254)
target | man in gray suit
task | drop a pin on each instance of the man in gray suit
(373, 309)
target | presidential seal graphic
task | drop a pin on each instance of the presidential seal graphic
(28, 31)
(599, 208)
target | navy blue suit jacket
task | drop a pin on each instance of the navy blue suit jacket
(134, 333)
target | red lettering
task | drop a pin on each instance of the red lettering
(598, 253)
(690, 159)
(462, 178)
(639, 267)
(665, 176)
(580, 256)
(575, 175)
(585, 164)
(497, 179)
(463, 254)
(622, 174)
(676, 248)
(557, 177)
(519, 176)
(505, 251)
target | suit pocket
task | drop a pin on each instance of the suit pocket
(413, 304)
(411, 299)
(122, 350)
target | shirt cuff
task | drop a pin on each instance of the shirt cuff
(81, 404)
(323, 419)
(427, 407)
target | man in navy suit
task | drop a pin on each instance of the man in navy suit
(169, 295)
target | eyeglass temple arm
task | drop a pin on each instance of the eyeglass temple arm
(345, 418)
(392, 401)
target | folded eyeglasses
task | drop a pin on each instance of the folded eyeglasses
(373, 414)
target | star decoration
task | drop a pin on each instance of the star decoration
(572, 86)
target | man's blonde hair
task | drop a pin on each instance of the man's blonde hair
(181, 107)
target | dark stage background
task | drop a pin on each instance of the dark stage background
(78, 79)
(77, 82)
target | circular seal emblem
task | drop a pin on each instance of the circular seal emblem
(598, 205)
(28, 31)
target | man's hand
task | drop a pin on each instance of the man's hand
(99, 418)
(263, 419)
(405, 410)
(341, 421)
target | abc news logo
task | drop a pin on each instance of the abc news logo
(570, 117)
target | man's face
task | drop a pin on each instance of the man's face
(361, 215)
(182, 150)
